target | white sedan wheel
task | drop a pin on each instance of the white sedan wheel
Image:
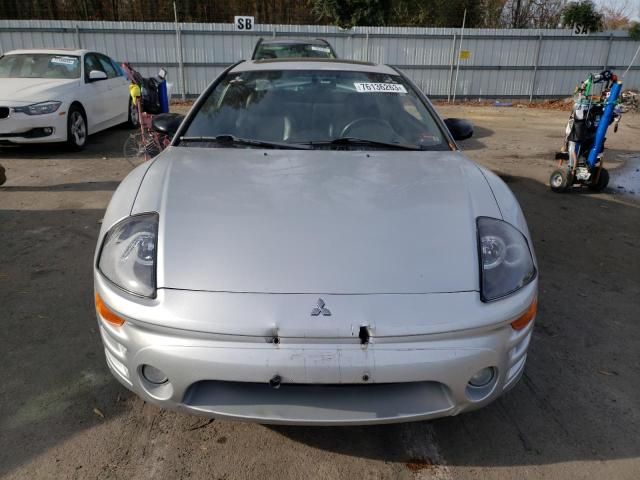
(77, 129)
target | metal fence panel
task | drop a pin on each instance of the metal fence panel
(499, 63)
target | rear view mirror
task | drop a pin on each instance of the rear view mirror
(95, 75)
(460, 129)
(167, 123)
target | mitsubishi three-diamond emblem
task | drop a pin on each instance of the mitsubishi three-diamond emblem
(320, 309)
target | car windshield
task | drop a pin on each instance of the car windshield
(292, 50)
(316, 108)
(39, 65)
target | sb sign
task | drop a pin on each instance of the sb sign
(244, 24)
(580, 29)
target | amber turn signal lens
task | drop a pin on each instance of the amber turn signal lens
(524, 319)
(106, 314)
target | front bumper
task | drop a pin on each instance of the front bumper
(323, 381)
(23, 128)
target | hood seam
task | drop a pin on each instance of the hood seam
(490, 189)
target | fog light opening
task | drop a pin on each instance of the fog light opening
(482, 377)
(482, 384)
(154, 375)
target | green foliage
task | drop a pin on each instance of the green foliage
(634, 31)
(584, 13)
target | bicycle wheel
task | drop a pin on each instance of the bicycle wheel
(133, 148)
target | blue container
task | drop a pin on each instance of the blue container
(164, 98)
(605, 120)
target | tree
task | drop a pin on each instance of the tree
(616, 16)
(493, 9)
(350, 13)
(439, 13)
(582, 13)
(532, 13)
(634, 31)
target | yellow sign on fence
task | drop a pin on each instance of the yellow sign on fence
(465, 54)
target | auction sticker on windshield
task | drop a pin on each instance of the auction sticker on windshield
(380, 87)
(64, 60)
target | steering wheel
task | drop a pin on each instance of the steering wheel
(378, 125)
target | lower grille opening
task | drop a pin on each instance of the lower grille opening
(33, 133)
(316, 403)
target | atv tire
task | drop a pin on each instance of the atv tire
(560, 180)
(602, 180)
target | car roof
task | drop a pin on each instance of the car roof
(312, 64)
(54, 51)
(287, 40)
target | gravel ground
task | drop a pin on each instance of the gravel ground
(575, 414)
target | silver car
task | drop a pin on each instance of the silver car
(313, 248)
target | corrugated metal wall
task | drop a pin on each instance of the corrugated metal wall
(502, 63)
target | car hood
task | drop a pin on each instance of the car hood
(333, 222)
(25, 91)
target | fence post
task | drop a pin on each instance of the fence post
(606, 58)
(455, 82)
(366, 48)
(179, 53)
(453, 53)
(78, 42)
(535, 68)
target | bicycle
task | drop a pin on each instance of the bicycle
(147, 143)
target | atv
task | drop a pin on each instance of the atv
(586, 130)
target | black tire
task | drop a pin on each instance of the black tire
(77, 131)
(560, 180)
(602, 180)
(3, 175)
(133, 116)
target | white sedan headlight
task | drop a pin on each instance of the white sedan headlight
(41, 108)
(506, 263)
(128, 255)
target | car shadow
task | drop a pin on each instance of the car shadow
(576, 402)
(65, 187)
(475, 142)
(53, 367)
(107, 143)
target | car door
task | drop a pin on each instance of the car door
(118, 93)
(95, 95)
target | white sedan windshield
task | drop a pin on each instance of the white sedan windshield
(39, 65)
(315, 106)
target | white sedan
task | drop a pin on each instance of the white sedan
(313, 248)
(61, 96)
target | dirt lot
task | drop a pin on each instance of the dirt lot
(575, 414)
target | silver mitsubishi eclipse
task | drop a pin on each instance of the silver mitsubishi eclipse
(313, 248)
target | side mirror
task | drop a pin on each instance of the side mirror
(167, 123)
(95, 75)
(460, 129)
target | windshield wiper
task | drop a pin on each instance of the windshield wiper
(363, 141)
(251, 142)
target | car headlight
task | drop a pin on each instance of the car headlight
(39, 108)
(506, 263)
(128, 255)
